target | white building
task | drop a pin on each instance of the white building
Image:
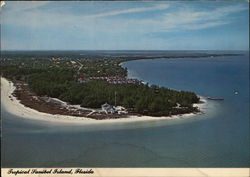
(108, 108)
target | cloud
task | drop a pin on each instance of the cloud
(130, 10)
(18, 6)
(186, 18)
(205, 25)
(36, 17)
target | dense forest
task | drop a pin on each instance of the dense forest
(61, 82)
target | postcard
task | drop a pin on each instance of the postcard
(125, 88)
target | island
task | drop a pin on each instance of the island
(92, 85)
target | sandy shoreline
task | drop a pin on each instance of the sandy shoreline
(13, 106)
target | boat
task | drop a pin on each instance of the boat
(213, 98)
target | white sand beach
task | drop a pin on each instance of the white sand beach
(13, 106)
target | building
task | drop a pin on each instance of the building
(82, 80)
(121, 110)
(108, 108)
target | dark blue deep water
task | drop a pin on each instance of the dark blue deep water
(218, 138)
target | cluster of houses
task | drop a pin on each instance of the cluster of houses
(122, 80)
(111, 80)
(109, 109)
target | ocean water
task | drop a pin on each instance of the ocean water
(218, 138)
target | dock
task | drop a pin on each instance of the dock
(213, 98)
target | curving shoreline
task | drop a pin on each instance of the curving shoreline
(13, 106)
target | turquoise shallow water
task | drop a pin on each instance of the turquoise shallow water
(219, 138)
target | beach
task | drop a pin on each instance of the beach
(13, 106)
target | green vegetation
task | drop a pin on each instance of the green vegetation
(58, 78)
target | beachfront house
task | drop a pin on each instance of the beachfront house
(121, 110)
(108, 108)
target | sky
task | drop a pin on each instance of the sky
(137, 25)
